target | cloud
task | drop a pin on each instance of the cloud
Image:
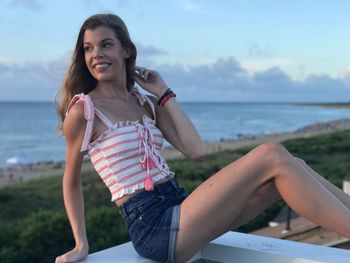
(149, 51)
(32, 81)
(147, 54)
(227, 80)
(261, 64)
(273, 78)
(224, 80)
(4, 58)
(344, 74)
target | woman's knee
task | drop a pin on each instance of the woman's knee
(275, 154)
(299, 160)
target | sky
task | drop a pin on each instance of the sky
(220, 51)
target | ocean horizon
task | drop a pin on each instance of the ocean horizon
(29, 129)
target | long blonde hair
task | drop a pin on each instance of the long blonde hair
(78, 78)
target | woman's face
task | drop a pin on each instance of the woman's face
(104, 54)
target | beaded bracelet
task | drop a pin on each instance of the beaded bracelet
(166, 98)
(164, 94)
(168, 91)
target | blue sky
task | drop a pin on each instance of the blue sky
(205, 50)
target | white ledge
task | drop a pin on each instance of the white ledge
(239, 247)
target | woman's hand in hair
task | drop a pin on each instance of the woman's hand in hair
(150, 80)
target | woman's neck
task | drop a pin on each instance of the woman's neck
(112, 90)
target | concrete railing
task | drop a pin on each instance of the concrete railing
(238, 248)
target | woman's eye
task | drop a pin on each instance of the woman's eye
(87, 49)
(107, 45)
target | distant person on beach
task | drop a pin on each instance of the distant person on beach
(122, 130)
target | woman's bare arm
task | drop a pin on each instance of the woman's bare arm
(74, 129)
(178, 129)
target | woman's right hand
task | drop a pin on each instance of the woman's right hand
(74, 255)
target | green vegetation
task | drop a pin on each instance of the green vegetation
(326, 105)
(34, 226)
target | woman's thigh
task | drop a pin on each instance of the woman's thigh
(261, 199)
(216, 203)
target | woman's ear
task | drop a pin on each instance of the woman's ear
(126, 52)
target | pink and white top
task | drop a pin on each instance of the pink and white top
(127, 154)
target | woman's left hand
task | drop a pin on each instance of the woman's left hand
(150, 80)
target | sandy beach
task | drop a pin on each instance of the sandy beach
(31, 171)
(307, 131)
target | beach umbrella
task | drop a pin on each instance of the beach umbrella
(16, 160)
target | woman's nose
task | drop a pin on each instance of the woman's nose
(97, 53)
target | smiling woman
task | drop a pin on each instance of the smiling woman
(125, 139)
(104, 54)
(80, 76)
(124, 142)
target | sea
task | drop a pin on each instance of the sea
(29, 129)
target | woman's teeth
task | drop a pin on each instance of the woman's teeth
(101, 66)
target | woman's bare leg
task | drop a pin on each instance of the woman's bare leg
(263, 198)
(268, 195)
(340, 194)
(212, 207)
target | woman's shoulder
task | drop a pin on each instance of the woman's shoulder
(76, 110)
(75, 119)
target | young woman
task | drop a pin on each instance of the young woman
(122, 131)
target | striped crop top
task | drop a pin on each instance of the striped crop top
(127, 154)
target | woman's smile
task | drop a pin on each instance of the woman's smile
(104, 54)
(102, 67)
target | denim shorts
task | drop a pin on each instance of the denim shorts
(152, 219)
